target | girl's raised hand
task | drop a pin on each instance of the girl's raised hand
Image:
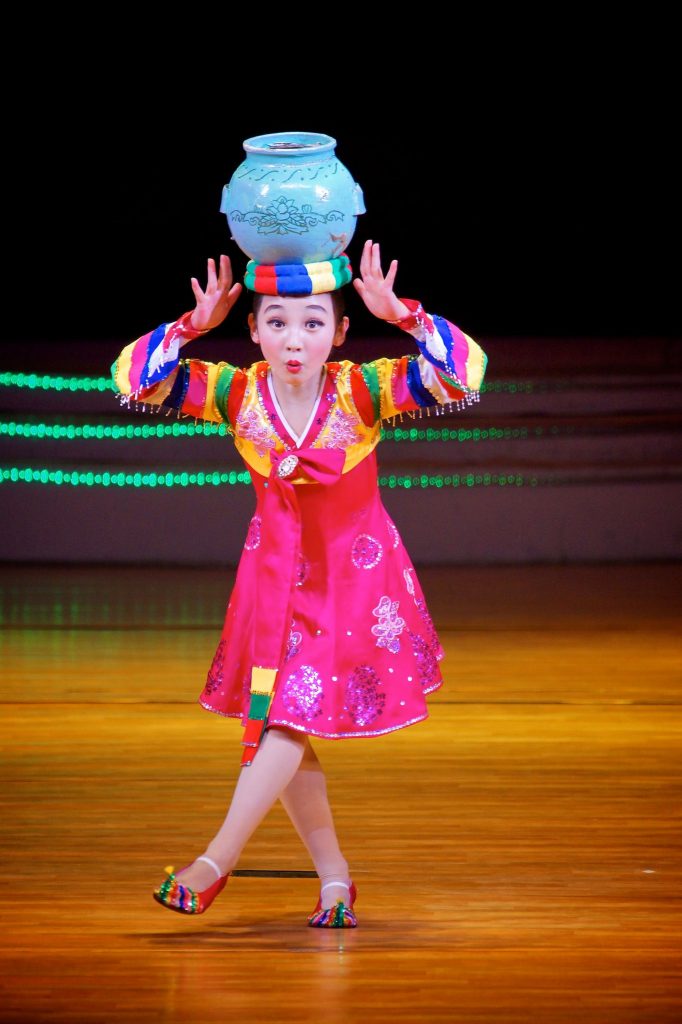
(216, 301)
(375, 290)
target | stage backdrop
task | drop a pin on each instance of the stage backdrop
(571, 455)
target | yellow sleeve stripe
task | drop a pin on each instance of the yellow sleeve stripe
(211, 412)
(122, 378)
(475, 365)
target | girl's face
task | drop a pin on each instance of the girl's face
(296, 335)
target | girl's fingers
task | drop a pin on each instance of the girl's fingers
(365, 257)
(225, 275)
(376, 259)
(211, 274)
(392, 271)
(370, 266)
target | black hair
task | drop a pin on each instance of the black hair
(338, 303)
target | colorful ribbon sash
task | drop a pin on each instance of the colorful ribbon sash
(298, 278)
(278, 557)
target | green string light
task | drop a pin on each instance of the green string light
(457, 480)
(460, 434)
(78, 478)
(136, 431)
(102, 431)
(47, 382)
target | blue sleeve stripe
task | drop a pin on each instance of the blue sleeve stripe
(177, 393)
(155, 339)
(420, 394)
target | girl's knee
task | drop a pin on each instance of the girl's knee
(309, 755)
(282, 732)
(301, 739)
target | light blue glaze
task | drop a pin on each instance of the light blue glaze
(292, 200)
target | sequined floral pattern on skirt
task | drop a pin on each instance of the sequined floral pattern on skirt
(361, 652)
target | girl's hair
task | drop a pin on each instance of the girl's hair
(337, 297)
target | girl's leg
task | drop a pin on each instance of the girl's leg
(305, 801)
(258, 786)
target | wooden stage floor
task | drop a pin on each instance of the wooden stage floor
(518, 856)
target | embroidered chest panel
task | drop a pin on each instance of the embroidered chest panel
(258, 428)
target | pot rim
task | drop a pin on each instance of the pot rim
(309, 143)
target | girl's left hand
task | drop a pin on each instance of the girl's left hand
(375, 290)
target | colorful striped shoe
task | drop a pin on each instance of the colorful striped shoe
(175, 896)
(338, 916)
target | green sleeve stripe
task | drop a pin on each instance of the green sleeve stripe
(371, 378)
(222, 390)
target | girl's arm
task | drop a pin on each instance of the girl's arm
(150, 369)
(450, 367)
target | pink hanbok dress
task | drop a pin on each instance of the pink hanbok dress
(327, 631)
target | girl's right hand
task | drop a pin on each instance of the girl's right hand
(217, 300)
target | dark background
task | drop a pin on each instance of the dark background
(526, 176)
(542, 211)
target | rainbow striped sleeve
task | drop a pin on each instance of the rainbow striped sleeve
(449, 369)
(150, 371)
(460, 361)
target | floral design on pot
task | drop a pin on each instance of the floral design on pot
(291, 200)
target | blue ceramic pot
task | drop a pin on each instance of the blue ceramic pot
(291, 200)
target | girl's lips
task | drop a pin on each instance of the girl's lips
(293, 366)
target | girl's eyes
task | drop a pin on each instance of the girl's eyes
(277, 323)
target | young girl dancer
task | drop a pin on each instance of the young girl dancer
(327, 632)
